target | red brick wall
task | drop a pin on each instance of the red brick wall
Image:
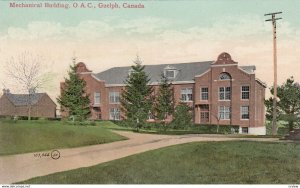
(239, 79)
(209, 79)
(6, 107)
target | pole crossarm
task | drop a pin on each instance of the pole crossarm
(273, 19)
(273, 13)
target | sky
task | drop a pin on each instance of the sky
(162, 32)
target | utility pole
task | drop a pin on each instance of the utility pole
(273, 19)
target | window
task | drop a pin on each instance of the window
(224, 93)
(204, 117)
(186, 94)
(114, 114)
(170, 73)
(204, 107)
(204, 93)
(224, 112)
(224, 76)
(245, 92)
(96, 98)
(114, 97)
(245, 130)
(245, 112)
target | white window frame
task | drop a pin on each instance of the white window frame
(114, 114)
(225, 93)
(204, 92)
(224, 113)
(174, 73)
(245, 111)
(96, 96)
(186, 92)
(245, 92)
(113, 96)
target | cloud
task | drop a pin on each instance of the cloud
(36, 30)
(107, 43)
(144, 25)
(84, 30)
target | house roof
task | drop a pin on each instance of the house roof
(23, 99)
(186, 72)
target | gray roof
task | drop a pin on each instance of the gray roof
(23, 99)
(186, 72)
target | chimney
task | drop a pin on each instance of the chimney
(31, 91)
(6, 91)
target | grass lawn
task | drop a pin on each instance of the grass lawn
(234, 162)
(25, 136)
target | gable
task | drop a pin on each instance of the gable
(46, 99)
(224, 59)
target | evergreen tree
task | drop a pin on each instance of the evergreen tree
(136, 99)
(288, 106)
(182, 116)
(73, 98)
(164, 105)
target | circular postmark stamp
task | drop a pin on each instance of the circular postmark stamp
(55, 154)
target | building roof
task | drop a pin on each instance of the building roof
(185, 72)
(23, 99)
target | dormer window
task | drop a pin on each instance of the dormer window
(170, 72)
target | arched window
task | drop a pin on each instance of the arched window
(224, 76)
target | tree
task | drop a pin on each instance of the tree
(288, 105)
(164, 105)
(182, 116)
(26, 71)
(136, 99)
(73, 98)
(218, 118)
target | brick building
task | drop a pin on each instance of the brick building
(18, 105)
(219, 91)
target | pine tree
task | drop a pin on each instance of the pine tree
(182, 116)
(288, 106)
(164, 105)
(136, 98)
(73, 99)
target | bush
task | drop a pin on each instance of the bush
(212, 129)
(283, 131)
(123, 123)
(182, 117)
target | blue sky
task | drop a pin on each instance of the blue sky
(186, 13)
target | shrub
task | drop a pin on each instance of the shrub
(212, 129)
(182, 117)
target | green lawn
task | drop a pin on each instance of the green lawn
(30, 136)
(234, 162)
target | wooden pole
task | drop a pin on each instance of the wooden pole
(274, 121)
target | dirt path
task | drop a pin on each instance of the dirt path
(20, 167)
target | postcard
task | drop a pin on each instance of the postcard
(102, 92)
